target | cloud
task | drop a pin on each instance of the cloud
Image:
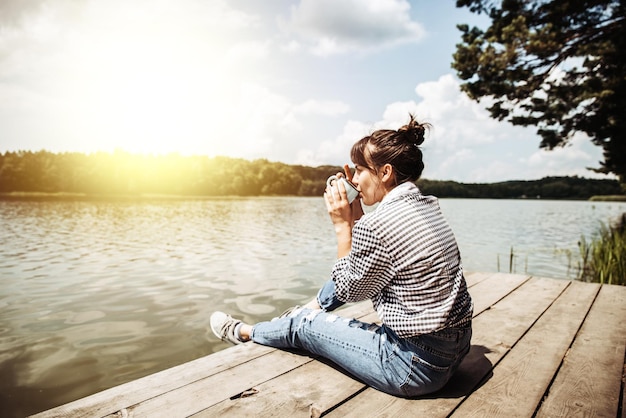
(323, 107)
(337, 150)
(273, 126)
(13, 11)
(465, 144)
(571, 159)
(338, 26)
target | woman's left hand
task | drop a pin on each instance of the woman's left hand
(341, 215)
(357, 208)
(339, 209)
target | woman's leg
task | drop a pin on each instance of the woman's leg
(371, 353)
(353, 345)
(325, 300)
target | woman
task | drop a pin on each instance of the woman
(404, 257)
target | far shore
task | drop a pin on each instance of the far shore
(66, 196)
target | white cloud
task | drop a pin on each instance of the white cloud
(245, 51)
(265, 116)
(465, 144)
(291, 47)
(335, 151)
(321, 107)
(571, 159)
(338, 26)
(273, 126)
(186, 76)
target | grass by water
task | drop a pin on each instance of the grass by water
(604, 258)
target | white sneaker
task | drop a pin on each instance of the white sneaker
(223, 326)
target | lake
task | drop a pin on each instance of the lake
(97, 293)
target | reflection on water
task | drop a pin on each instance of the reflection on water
(542, 234)
(95, 294)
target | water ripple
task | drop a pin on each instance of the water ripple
(97, 293)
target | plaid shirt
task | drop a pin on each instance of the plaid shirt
(404, 257)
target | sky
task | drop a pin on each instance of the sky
(293, 81)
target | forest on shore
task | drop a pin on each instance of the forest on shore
(24, 173)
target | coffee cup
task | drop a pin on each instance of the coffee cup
(351, 190)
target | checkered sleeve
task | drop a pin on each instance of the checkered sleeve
(366, 270)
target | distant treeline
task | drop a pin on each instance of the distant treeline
(121, 173)
(546, 188)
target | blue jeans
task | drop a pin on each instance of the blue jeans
(374, 354)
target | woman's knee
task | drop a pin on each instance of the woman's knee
(327, 298)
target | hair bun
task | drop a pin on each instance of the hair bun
(413, 132)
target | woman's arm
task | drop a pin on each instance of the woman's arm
(367, 269)
(342, 214)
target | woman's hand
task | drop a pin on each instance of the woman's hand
(342, 214)
(357, 208)
(339, 209)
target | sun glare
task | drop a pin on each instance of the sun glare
(147, 88)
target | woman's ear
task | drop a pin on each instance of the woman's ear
(387, 173)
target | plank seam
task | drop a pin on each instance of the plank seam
(486, 377)
(346, 400)
(620, 403)
(569, 348)
(504, 296)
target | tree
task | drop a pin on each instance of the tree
(558, 65)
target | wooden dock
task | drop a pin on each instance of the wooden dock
(541, 347)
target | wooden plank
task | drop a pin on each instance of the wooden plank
(521, 378)
(474, 278)
(495, 287)
(306, 391)
(117, 398)
(624, 391)
(495, 331)
(203, 393)
(230, 383)
(588, 383)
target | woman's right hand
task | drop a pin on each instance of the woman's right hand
(357, 208)
(339, 209)
(342, 214)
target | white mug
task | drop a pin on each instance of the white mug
(351, 190)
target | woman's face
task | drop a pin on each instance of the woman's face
(369, 184)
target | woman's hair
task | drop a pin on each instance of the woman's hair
(399, 148)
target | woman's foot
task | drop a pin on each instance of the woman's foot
(227, 328)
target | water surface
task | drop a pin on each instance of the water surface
(95, 294)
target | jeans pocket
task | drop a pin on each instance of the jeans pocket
(433, 359)
(424, 377)
(422, 363)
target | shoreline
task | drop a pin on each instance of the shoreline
(69, 196)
